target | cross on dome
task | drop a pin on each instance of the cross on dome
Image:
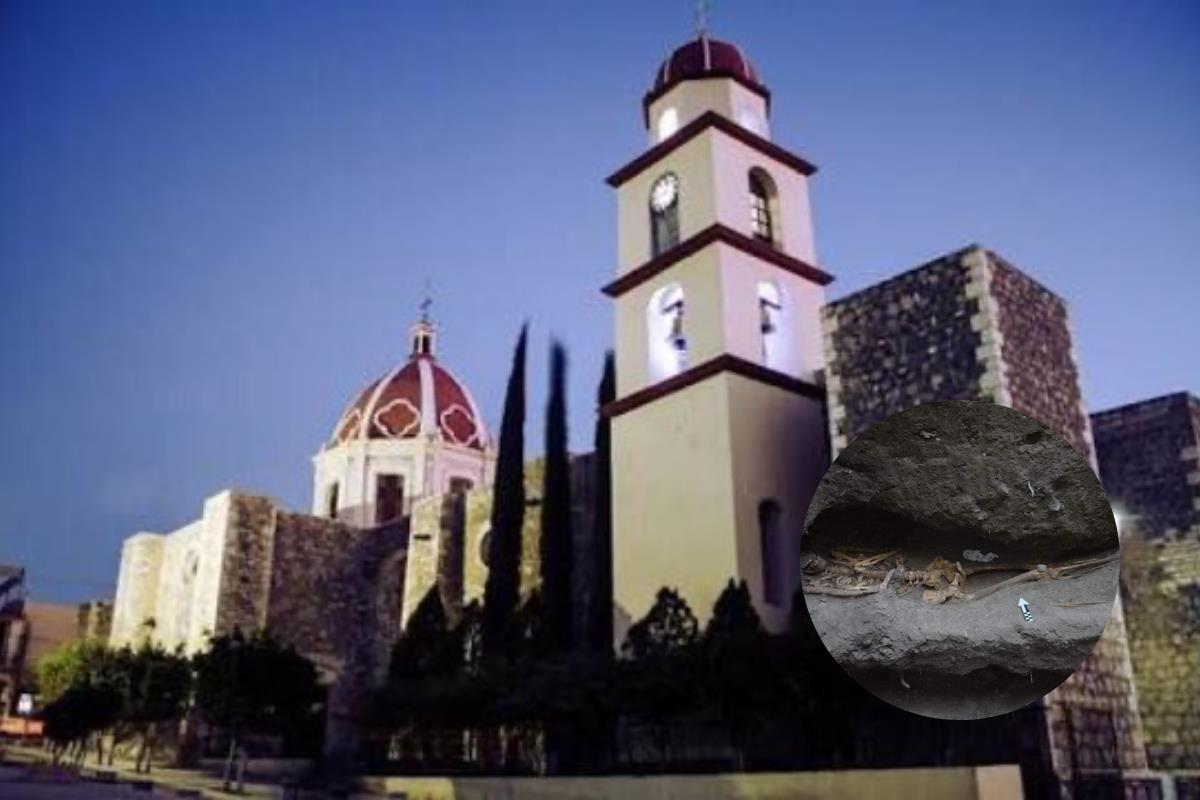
(701, 18)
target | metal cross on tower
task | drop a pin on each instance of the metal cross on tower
(701, 18)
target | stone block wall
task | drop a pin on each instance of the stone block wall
(1161, 583)
(246, 555)
(1149, 454)
(136, 603)
(94, 620)
(1040, 371)
(905, 341)
(478, 528)
(971, 326)
(427, 539)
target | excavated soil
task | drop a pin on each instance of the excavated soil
(994, 494)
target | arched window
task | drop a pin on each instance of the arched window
(664, 214)
(772, 551)
(666, 329)
(485, 548)
(770, 322)
(389, 498)
(762, 198)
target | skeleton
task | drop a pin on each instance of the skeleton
(855, 575)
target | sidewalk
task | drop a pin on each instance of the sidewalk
(163, 781)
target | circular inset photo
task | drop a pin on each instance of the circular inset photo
(960, 560)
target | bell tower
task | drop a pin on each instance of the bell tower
(718, 427)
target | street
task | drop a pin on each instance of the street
(18, 783)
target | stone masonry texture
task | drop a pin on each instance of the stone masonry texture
(901, 343)
(1042, 378)
(1149, 454)
(1162, 594)
(969, 325)
(1148, 461)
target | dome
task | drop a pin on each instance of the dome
(705, 58)
(419, 398)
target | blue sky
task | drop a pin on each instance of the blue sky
(217, 219)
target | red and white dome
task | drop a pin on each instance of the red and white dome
(418, 399)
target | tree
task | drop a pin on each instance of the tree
(600, 603)
(662, 679)
(668, 627)
(81, 710)
(557, 543)
(427, 646)
(742, 675)
(155, 686)
(71, 664)
(84, 675)
(733, 614)
(503, 586)
(253, 685)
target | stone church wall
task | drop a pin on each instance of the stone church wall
(176, 585)
(1149, 455)
(971, 326)
(1041, 374)
(447, 545)
(1149, 463)
(428, 537)
(137, 587)
(900, 343)
(246, 564)
(1162, 599)
(335, 591)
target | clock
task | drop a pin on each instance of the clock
(664, 192)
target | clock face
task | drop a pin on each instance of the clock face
(663, 192)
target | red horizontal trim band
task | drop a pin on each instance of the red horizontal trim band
(709, 119)
(654, 94)
(716, 233)
(725, 362)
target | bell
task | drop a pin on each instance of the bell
(676, 336)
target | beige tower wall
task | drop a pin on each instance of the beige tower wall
(779, 453)
(690, 471)
(791, 218)
(699, 277)
(692, 98)
(799, 323)
(692, 163)
(674, 519)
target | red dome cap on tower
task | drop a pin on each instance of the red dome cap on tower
(705, 58)
(419, 398)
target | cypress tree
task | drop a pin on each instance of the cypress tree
(600, 606)
(557, 544)
(502, 589)
(426, 646)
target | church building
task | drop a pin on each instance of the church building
(736, 383)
